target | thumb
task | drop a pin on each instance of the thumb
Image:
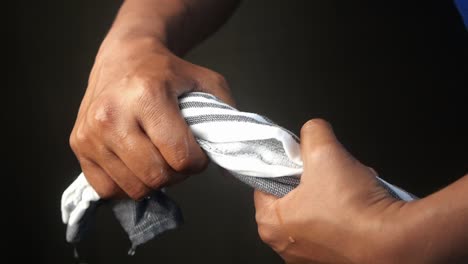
(323, 155)
(320, 147)
(315, 134)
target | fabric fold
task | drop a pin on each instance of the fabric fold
(248, 146)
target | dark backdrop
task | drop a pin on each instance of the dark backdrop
(389, 75)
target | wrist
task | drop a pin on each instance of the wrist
(158, 21)
(122, 47)
(432, 231)
(382, 234)
(127, 32)
(428, 230)
(400, 236)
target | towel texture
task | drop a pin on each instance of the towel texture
(248, 146)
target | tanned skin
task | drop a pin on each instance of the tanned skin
(130, 139)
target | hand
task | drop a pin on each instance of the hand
(338, 214)
(129, 136)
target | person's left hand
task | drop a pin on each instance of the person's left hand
(338, 214)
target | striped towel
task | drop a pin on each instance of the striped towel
(248, 146)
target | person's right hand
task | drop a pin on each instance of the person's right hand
(129, 136)
(339, 213)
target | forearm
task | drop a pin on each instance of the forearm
(436, 227)
(177, 24)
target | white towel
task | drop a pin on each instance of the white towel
(248, 146)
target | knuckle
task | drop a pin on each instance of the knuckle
(157, 178)
(151, 82)
(138, 193)
(107, 191)
(78, 139)
(184, 154)
(263, 228)
(265, 234)
(219, 80)
(181, 161)
(73, 143)
(271, 237)
(211, 79)
(258, 217)
(102, 184)
(103, 113)
(146, 83)
(151, 87)
(313, 124)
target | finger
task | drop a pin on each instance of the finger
(140, 155)
(101, 182)
(326, 161)
(214, 83)
(373, 172)
(263, 201)
(316, 133)
(271, 228)
(319, 146)
(120, 175)
(322, 152)
(163, 123)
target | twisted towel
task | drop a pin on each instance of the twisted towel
(249, 146)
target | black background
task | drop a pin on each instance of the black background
(391, 77)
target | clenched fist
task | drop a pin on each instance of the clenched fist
(335, 214)
(339, 213)
(129, 136)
